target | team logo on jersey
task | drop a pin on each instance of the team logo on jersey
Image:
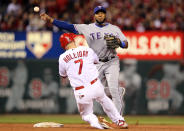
(39, 43)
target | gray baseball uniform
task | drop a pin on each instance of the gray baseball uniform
(109, 63)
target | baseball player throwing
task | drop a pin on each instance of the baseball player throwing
(77, 63)
(103, 38)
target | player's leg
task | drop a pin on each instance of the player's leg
(112, 76)
(85, 107)
(107, 105)
(97, 107)
(86, 112)
(110, 109)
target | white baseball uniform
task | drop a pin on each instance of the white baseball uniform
(78, 65)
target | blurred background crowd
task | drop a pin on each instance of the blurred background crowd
(139, 15)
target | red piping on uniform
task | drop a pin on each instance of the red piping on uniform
(93, 81)
(81, 87)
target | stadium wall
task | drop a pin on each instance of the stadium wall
(152, 71)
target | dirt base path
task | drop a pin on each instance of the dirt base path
(86, 127)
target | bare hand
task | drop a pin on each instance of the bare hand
(47, 18)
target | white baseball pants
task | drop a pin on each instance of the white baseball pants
(84, 98)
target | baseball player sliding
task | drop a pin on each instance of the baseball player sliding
(103, 38)
(78, 64)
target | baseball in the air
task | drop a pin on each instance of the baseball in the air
(36, 9)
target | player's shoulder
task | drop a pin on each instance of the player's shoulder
(91, 25)
(63, 55)
(114, 26)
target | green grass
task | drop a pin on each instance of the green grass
(157, 120)
(40, 118)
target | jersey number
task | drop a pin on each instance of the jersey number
(81, 64)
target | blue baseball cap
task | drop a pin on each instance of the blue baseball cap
(99, 8)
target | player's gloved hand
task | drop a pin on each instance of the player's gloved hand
(112, 41)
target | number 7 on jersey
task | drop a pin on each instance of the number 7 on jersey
(81, 64)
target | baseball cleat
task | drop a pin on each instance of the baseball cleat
(108, 125)
(104, 123)
(122, 124)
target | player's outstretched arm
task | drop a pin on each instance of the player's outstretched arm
(59, 24)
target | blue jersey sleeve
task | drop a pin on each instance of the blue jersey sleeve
(65, 26)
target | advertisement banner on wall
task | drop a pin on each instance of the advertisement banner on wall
(154, 46)
(12, 46)
(31, 45)
(46, 45)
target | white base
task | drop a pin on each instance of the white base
(48, 124)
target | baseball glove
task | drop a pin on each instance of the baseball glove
(112, 41)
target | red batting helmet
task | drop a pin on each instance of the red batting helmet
(66, 38)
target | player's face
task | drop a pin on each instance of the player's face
(100, 17)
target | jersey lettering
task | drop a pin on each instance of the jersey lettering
(81, 65)
(79, 54)
(99, 35)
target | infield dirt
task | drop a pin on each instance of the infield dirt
(86, 127)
